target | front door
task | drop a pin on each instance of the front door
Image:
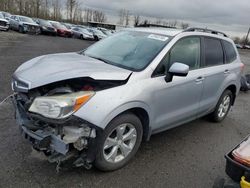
(177, 102)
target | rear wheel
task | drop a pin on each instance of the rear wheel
(119, 142)
(223, 106)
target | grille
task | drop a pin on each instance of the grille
(50, 29)
(32, 28)
(2, 23)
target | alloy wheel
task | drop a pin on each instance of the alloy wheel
(119, 143)
(224, 106)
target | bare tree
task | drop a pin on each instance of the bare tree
(122, 15)
(237, 40)
(136, 20)
(56, 7)
(71, 6)
(146, 22)
(88, 15)
(127, 18)
(99, 16)
(158, 21)
(172, 23)
(184, 25)
(37, 8)
(78, 15)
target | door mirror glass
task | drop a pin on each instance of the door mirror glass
(177, 69)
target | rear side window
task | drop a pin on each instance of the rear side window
(229, 51)
(213, 52)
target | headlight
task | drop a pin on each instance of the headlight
(60, 106)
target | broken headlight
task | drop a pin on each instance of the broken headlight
(60, 106)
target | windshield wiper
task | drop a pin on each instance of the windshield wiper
(101, 59)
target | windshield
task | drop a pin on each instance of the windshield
(98, 32)
(85, 31)
(1, 15)
(45, 23)
(128, 49)
(26, 19)
(57, 25)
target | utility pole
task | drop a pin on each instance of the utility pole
(246, 40)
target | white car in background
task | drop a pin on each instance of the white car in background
(82, 33)
(98, 35)
(4, 24)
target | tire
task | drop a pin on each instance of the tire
(245, 83)
(21, 29)
(132, 125)
(96, 38)
(81, 37)
(218, 114)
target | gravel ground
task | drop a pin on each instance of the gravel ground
(188, 156)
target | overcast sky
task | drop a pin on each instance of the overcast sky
(231, 16)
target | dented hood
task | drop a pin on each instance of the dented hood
(57, 67)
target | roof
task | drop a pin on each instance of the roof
(157, 30)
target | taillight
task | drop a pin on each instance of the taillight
(242, 66)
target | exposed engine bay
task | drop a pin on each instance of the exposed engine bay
(65, 138)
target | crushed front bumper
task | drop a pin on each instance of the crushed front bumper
(50, 141)
(4, 28)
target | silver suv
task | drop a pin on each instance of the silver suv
(97, 105)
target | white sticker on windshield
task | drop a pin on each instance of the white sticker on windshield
(157, 37)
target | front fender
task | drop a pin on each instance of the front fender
(101, 115)
(124, 107)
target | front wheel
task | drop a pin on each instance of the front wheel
(119, 142)
(21, 30)
(223, 106)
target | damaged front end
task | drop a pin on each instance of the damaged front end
(61, 136)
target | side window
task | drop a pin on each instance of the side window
(213, 52)
(229, 51)
(186, 51)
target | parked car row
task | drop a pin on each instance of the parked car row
(24, 24)
(242, 46)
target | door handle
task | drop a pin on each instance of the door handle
(226, 71)
(199, 79)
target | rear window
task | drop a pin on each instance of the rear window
(213, 52)
(230, 51)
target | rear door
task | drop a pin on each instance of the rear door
(215, 72)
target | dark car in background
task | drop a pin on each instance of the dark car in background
(24, 24)
(4, 24)
(82, 33)
(46, 27)
(62, 30)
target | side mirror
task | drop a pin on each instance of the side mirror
(177, 69)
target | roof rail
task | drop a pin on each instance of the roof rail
(205, 30)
